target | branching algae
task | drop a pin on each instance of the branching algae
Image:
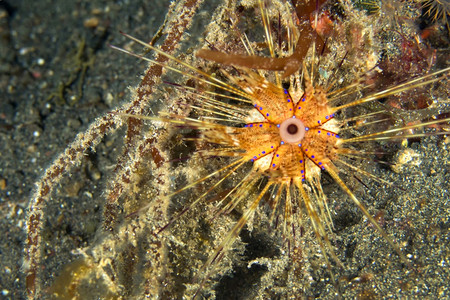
(257, 164)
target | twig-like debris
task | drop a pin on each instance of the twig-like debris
(181, 15)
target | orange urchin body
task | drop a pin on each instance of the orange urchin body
(295, 137)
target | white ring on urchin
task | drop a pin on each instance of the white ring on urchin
(292, 130)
